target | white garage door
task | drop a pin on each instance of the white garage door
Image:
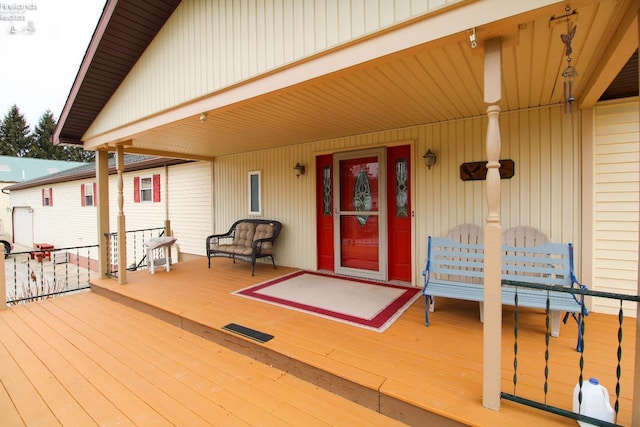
(23, 226)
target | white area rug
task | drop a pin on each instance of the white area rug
(368, 304)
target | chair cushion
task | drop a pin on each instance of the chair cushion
(244, 234)
(233, 249)
(264, 231)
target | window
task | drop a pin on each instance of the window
(146, 189)
(87, 194)
(47, 196)
(255, 199)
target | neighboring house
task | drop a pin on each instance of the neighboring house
(358, 93)
(20, 169)
(71, 220)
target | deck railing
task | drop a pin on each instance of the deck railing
(582, 348)
(136, 255)
(38, 274)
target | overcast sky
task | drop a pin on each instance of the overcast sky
(42, 44)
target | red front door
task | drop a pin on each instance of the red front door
(363, 209)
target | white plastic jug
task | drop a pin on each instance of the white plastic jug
(595, 402)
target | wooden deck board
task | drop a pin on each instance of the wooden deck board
(138, 364)
(44, 346)
(140, 370)
(409, 361)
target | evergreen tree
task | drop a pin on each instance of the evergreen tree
(15, 139)
(43, 148)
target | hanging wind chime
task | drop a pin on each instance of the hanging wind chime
(570, 73)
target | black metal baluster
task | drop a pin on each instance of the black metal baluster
(88, 266)
(515, 344)
(581, 342)
(66, 268)
(42, 274)
(15, 278)
(546, 349)
(618, 368)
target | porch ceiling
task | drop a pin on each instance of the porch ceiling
(436, 82)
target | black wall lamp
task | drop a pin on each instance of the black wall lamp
(299, 169)
(430, 158)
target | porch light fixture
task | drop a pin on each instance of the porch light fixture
(203, 117)
(299, 169)
(472, 38)
(430, 158)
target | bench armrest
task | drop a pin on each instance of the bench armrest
(215, 238)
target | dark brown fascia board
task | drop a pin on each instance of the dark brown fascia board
(103, 23)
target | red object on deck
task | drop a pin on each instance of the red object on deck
(45, 249)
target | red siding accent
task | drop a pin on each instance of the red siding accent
(324, 226)
(50, 196)
(95, 194)
(43, 197)
(399, 228)
(156, 187)
(81, 194)
(136, 189)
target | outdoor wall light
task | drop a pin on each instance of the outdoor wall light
(472, 38)
(299, 169)
(430, 158)
(203, 117)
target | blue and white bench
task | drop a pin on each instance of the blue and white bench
(456, 270)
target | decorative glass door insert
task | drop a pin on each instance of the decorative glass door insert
(360, 231)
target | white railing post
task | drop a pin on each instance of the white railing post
(492, 327)
(122, 236)
(3, 281)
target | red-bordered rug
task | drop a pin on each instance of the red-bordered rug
(368, 304)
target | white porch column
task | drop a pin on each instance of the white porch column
(3, 282)
(102, 179)
(167, 221)
(122, 235)
(492, 339)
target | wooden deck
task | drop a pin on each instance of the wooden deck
(87, 357)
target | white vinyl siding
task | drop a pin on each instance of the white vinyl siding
(189, 199)
(191, 205)
(208, 45)
(138, 215)
(616, 201)
(66, 223)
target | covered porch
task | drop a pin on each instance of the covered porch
(409, 372)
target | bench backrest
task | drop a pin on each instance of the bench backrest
(524, 236)
(471, 234)
(243, 233)
(247, 231)
(455, 261)
(547, 264)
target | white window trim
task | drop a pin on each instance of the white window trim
(258, 191)
(47, 197)
(142, 178)
(88, 191)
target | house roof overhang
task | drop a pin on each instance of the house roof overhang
(132, 163)
(123, 32)
(378, 83)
